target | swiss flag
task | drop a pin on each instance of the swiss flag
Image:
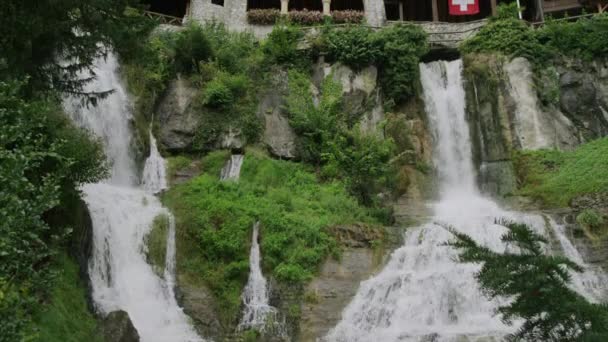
(463, 7)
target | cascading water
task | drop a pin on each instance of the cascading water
(232, 169)
(423, 293)
(154, 178)
(122, 216)
(258, 314)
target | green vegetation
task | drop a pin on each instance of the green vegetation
(396, 50)
(214, 221)
(538, 285)
(584, 38)
(327, 139)
(43, 158)
(156, 243)
(66, 318)
(591, 219)
(557, 177)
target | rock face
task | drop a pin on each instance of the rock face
(117, 327)
(337, 282)
(278, 136)
(198, 303)
(507, 111)
(178, 119)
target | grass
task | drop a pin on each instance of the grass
(557, 177)
(214, 221)
(156, 242)
(66, 318)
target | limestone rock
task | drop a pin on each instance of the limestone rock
(333, 288)
(117, 327)
(178, 120)
(199, 304)
(279, 137)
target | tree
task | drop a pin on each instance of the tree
(53, 41)
(538, 285)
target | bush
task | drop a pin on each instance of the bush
(348, 17)
(354, 46)
(217, 94)
(191, 47)
(281, 48)
(266, 16)
(306, 17)
(584, 38)
(43, 159)
(591, 219)
(401, 48)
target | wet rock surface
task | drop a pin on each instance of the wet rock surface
(117, 327)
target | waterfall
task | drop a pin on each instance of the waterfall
(154, 178)
(122, 214)
(257, 314)
(232, 169)
(423, 293)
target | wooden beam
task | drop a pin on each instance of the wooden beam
(435, 11)
(493, 4)
(401, 18)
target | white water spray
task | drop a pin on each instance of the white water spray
(423, 293)
(258, 314)
(154, 178)
(122, 216)
(232, 169)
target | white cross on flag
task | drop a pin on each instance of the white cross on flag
(463, 7)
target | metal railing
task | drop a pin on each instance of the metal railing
(164, 18)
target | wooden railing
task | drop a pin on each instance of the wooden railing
(164, 18)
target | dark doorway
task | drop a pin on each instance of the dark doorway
(311, 5)
(263, 4)
(176, 8)
(341, 5)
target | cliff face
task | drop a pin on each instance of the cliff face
(510, 107)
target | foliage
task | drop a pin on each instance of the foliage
(353, 46)
(315, 125)
(293, 208)
(156, 243)
(281, 48)
(584, 38)
(263, 16)
(512, 37)
(67, 317)
(191, 48)
(217, 94)
(42, 158)
(363, 160)
(306, 17)
(45, 40)
(557, 177)
(402, 47)
(348, 17)
(396, 50)
(538, 285)
(591, 219)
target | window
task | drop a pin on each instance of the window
(218, 2)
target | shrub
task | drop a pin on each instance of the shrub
(191, 47)
(347, 17)
(217, 94)
(281, 47)
(591, 219)
(401, 48)
(265, 16)
(353, 46)
(306, 17)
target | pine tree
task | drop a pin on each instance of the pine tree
(538, 286)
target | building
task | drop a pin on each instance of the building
(377, 13)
